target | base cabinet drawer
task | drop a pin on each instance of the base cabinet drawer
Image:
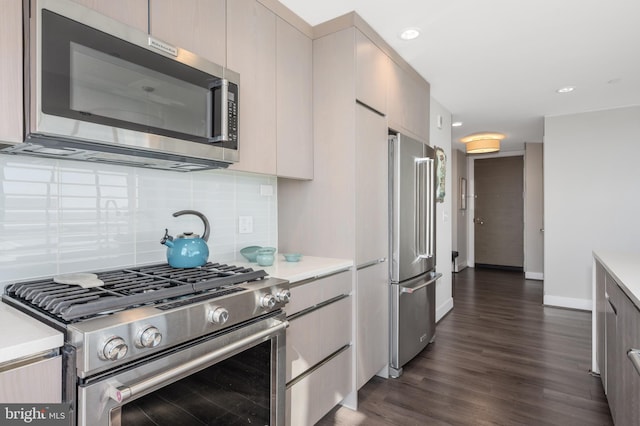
(310, 398)
(316, 335)
(306, 294)
(35, 382)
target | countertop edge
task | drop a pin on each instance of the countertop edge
(26, 337)
(624, 267)
(308, 267)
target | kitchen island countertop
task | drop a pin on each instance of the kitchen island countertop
(308, 267)
(625, 269)
(23, 336)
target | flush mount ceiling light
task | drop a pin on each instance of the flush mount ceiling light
(410, 33)
(566, 89)
(482, 143)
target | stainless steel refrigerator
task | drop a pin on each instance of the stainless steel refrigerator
(412, 188)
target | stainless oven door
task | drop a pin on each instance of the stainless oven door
(234, 377)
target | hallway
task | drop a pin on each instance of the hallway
(499, 358)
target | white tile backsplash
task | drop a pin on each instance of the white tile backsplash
(59, 216)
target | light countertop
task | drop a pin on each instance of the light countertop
(625, 269)
(23, 336)
(307, 267)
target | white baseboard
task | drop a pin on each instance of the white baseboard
(568, 302)
(442, 310)
(459, 266)
(534, 276)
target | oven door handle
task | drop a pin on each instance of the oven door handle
(123, 393)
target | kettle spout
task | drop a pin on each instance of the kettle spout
(167, 240)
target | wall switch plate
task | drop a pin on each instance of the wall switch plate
(245, 224)
(266, 190)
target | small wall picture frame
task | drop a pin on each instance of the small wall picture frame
(463, 193)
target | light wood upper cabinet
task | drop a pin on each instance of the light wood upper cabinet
(131, 12)
(372, 74)
(251, 51)
(195, 25)
(408, 103)
(11, 72)
(294, 109)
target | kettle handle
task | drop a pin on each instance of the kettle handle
(205, 235)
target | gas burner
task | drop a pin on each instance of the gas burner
(129, 288)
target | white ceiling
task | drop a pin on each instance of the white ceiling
(496, 64)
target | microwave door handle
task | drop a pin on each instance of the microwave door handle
(222, 110)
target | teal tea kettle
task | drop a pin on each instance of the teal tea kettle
(187, 250)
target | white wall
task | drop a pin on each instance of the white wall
(591, 197)
(69, 216)
(441, 137)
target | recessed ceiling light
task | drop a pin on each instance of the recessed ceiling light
(410, 33)
(456, 124)
(566, 89)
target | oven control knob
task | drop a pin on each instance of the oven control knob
(268, 301)
(148, 337)
(218, 316)
(114, 349)
(283, 296)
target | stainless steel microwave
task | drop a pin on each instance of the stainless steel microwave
(98, 90)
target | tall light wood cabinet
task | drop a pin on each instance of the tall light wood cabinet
(251, 51)
(11, 114)
(195, 25)
(294, 121)
(371, 212)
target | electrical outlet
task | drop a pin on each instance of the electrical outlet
(245, 224)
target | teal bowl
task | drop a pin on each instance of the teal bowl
(250, 253)
(292, 257)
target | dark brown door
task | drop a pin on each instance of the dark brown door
(499, 211)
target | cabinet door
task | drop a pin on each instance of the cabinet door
(11, 72)
(372, 73)
(371, 186)
(36, 382)
(131, 12)
(630, 389)
(251, 51)
(195, 25)
(408, 103)
(600, 321)
(614, 357)
(372, 349)
(294, 109)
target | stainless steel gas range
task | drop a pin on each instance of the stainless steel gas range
(162, 346)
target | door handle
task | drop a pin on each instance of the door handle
(410, 290)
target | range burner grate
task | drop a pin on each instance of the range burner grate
(129, 288)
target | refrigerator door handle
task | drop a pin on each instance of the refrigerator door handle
(410, 290)
(423, 199)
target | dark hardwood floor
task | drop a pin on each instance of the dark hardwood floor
(499, 358)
